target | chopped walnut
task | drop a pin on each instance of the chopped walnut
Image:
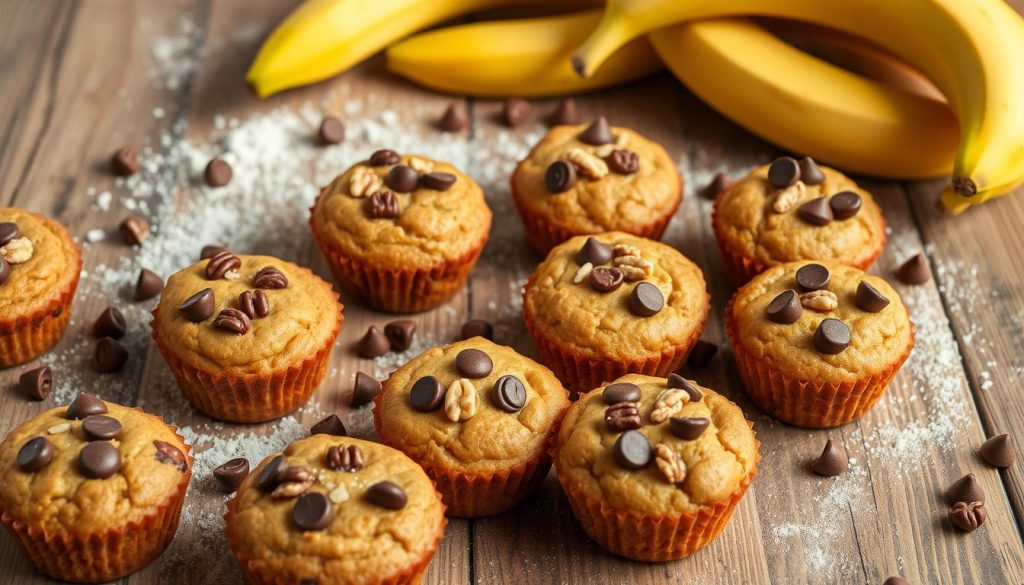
(460, 400)
(634, 267)
(605, 150)
(588, 164)
(364, 181)
(583, 273)
(59, 428)
(338, 494)
(789, 197)
(669, 404)
(820, 300)
(669, 463)
(421, 165)
(18, 250)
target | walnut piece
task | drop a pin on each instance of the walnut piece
(669, 463)
(17, 250)
(421, 165)
(588, 164)
(364, 181)
(819, 300)
(583, 273)
(789, 197)
(669, 404)
(460, 400)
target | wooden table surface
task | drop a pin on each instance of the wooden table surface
(77, 81)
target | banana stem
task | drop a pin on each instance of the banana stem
(601, 43)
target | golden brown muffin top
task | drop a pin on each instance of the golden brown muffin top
(762, 222)
(877, 339)
(714, 464)
(478, 436)
(432, 227)
(59, 496)
(603, 324)
(360, 541)
(302, 318)
(606, 201)
(43, 261)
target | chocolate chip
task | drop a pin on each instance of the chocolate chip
(623, 162)
(437, 181)
(623, 416)
(473, 363)
(832, 336)
(148, 285)
(785, 308)
(688, 428)
(816, 211)
(896, 581)
(594, 252)
(565, 113)
(211, 250)
(477, 328)
(218, 173)
(677, 381)
(621, 392)
(373, 344)
(810, 173)
(869, 299)
(124, 162)
(427, 394)
(341, 458)
(812, 277)
(37, 383)
(455, 117)
(329, 425)
(514, 111)
(269, 277)
(312, 512)
(110, 323)
(35, 454)
(110, 355)
(100, 427)
(967, 516)
(632, 450)
(384, 205)
(509, 393)
(220, 264)
(267, 480)
(231, 473)
(332, 131)
(560, 176)
(720, 183)
(8, 231)
(5, 270)
(364, 390)
(701, 354)
(783, 172)
(384, 157)
(83, 405)
(233, 321)
(99, 460)
(965, 489)
(400, 334)
(914, 270)
(198, 307)
(598, 133)
(387, 495)
(605, 279)
(134, 230)
(845, 204)
(998, 451)
(646, 300)
(402, 178)
(831, 462)
(170, 455)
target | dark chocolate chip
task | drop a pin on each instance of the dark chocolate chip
(169, 454)
(632, 450)
(701, 354)
(514, 111)
(812, 277)
(427, 394)
(329, 425)
(312, 512)
(605, 279)
(148, 285)
(402, 178)
(623, 162)
(233, 321)
(646, 300)
(270, 278)
(473, 363)
(110, 355)
(341, 458)
(455, 117)
(785, 308)
(83, 405)
(623, 416)
(914, 270)
(810, 173)
(677, 381)
(967, 516)
(133, 229)
(35, 454)
(598, 133)
(198, 307)
(36, 384)
(101, 427)
(400, 333)
(110, 323)
(8, 231)
(560, 176)
(720, 183)
(211, 250)
(220, 264)
(509, 393)
(231, 473)
(832, 336)
(844, 204)
(218, 173)
(965, 489)
(816, 211)
(688, 428)
(477, 328)
(621, 392)
(332, 131)
(869, 299)
(373, 344)
(998, 451)
(384, 205)
(387, 495)
(437, 181)
(384, 157)
(831, 462)
(594, 252)
(268, 478)
(783, 172)
(364, 390)
(565, 113)
(99, 460)
(124, 162)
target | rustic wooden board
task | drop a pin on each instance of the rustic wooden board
(77, 83)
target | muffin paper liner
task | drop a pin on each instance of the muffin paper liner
(397, 291)
(98, 557)
(254, 397)
(739, 268)
(543, 234)
(644, 537)
(807, 403)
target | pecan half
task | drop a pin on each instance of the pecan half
(623, 416)
(270, 278)
(254, 303)
(293, 482)
(221, 263)
(232, 320)
(348, 458)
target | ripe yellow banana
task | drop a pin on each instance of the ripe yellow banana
(322, 38)
(969, 48)
(526, 57)
(807, 105)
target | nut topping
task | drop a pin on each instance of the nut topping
(460, 400)
(670, 464)
(623, 416)
(586, 163)
(363, 182)
(820, 300)
(17, 250)
(669, 404)
(583, 273)
(292, 482)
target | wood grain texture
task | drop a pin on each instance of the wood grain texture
(75, 85)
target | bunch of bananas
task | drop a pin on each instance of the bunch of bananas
(819, 90)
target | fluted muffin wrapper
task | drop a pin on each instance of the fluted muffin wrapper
(807, 403)
(544, 234)
(647, 537)
(28, 336)
(98, 557)
(250, 398)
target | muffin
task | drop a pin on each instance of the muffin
(39, 270)
(591, 179)
(401, 233)
(93, 491)
(791, 210)
(247, 337)
(335, 511)
(816, 343)
(653, 467)
(479, 418)
(600, 307)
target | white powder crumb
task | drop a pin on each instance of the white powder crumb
(95, 235)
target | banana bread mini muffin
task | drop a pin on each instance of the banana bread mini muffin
(600, 307)
(39, 269)
(92, 492)
(401, 233)
(478, 417)
(653, 467)
(816, 343)
(335, 511)
(590, 179)
(247, 337)
(791, 210)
